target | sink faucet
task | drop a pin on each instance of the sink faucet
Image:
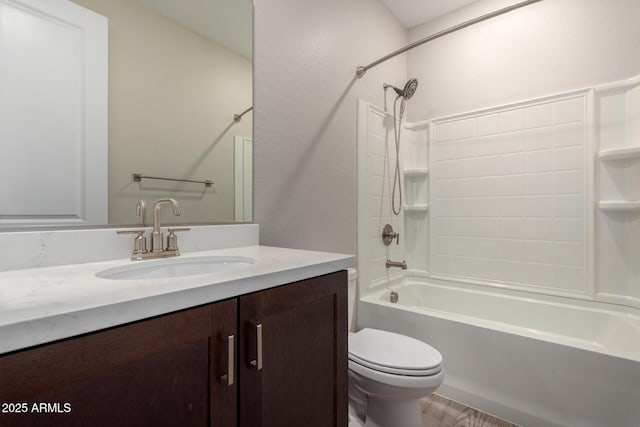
(157, 251)
(156, 234)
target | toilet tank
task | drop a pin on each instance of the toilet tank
(352, 295)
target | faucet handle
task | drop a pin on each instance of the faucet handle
(388, 235)
(172, 239)
(140, 243)
(139, 231)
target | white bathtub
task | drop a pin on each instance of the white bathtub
(533, 361)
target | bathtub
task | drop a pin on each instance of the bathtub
(535, 361)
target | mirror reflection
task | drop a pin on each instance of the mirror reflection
(179, 109)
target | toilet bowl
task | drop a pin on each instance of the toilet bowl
(388, 374)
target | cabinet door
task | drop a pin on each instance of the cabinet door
(154, 372)
(299, 375)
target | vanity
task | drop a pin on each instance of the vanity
(260, 343)
(229, 333)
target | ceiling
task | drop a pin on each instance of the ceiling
(415, 12)
(229, 23)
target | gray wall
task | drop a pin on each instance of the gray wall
(305, 100)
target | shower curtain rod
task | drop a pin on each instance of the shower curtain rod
(238, 117)
(361, 70)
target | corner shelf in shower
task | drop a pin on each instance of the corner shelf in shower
(620, 153)
(417, 172)
(618, 205)
(416, 208)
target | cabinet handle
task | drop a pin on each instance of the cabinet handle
(258, 361)
(228, 377)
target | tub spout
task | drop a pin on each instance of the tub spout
(402, 264)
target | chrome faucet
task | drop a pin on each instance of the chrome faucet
(156, 234)
(157, 250)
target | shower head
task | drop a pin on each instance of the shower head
(408, 90)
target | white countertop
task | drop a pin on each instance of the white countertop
(40, 305)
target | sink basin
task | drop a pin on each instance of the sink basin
(177, 267)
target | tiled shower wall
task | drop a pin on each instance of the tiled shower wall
(540, 195)
(508, 200)
(376, 168)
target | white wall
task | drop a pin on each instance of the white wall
(305, 102)
(540, 49)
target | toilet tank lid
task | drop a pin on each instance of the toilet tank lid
(393, 350)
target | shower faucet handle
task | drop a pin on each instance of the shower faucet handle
(388, 235)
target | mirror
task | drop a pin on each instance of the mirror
(179, 110)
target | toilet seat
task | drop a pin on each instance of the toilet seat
(392, 353)
(395, 371)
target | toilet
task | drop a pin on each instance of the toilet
(388, 374)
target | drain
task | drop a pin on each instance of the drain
(393, 297)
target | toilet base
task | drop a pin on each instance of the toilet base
(384, 413)
(355, 419)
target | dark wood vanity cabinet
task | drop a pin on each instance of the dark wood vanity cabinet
(289, 360)
(302, 380)
(153, 372)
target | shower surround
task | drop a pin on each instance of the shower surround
(536, 199)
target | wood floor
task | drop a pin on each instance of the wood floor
(438, 411)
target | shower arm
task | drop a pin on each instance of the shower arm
(361, 70)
